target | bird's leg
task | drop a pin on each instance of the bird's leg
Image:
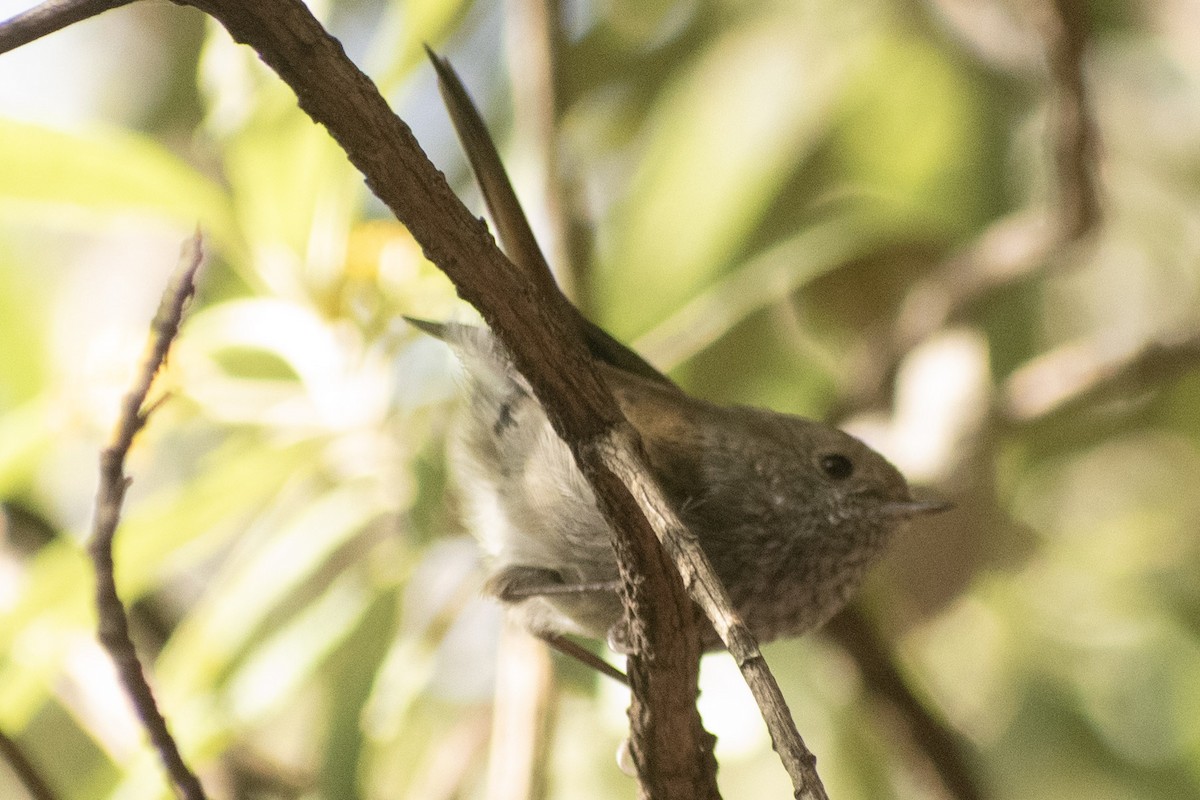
(515, 583)
(584, 656)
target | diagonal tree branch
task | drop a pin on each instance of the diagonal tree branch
(535, 324)
(114, 622)
(1074, 376)
(25, 770)
(540, 329)
(854, 631)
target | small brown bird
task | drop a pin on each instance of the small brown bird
(790, 511)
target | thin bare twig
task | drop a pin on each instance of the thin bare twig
(49, 17)
(25, 770)
(114, 622)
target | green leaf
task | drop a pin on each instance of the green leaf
(103, 173)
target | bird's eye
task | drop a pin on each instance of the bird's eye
(836, 466)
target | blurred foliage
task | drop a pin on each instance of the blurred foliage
(760, 185)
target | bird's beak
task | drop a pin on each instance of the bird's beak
(913, 508)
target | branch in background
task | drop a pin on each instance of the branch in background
(1009, 251)
(448, 774)
(1076, 375)
(523, 715)
(766, 280)
(1074, 138)
(24, 769)
(853, 630)
(1016, 246)
(113, 620)
(250, 773)
(533, 51)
